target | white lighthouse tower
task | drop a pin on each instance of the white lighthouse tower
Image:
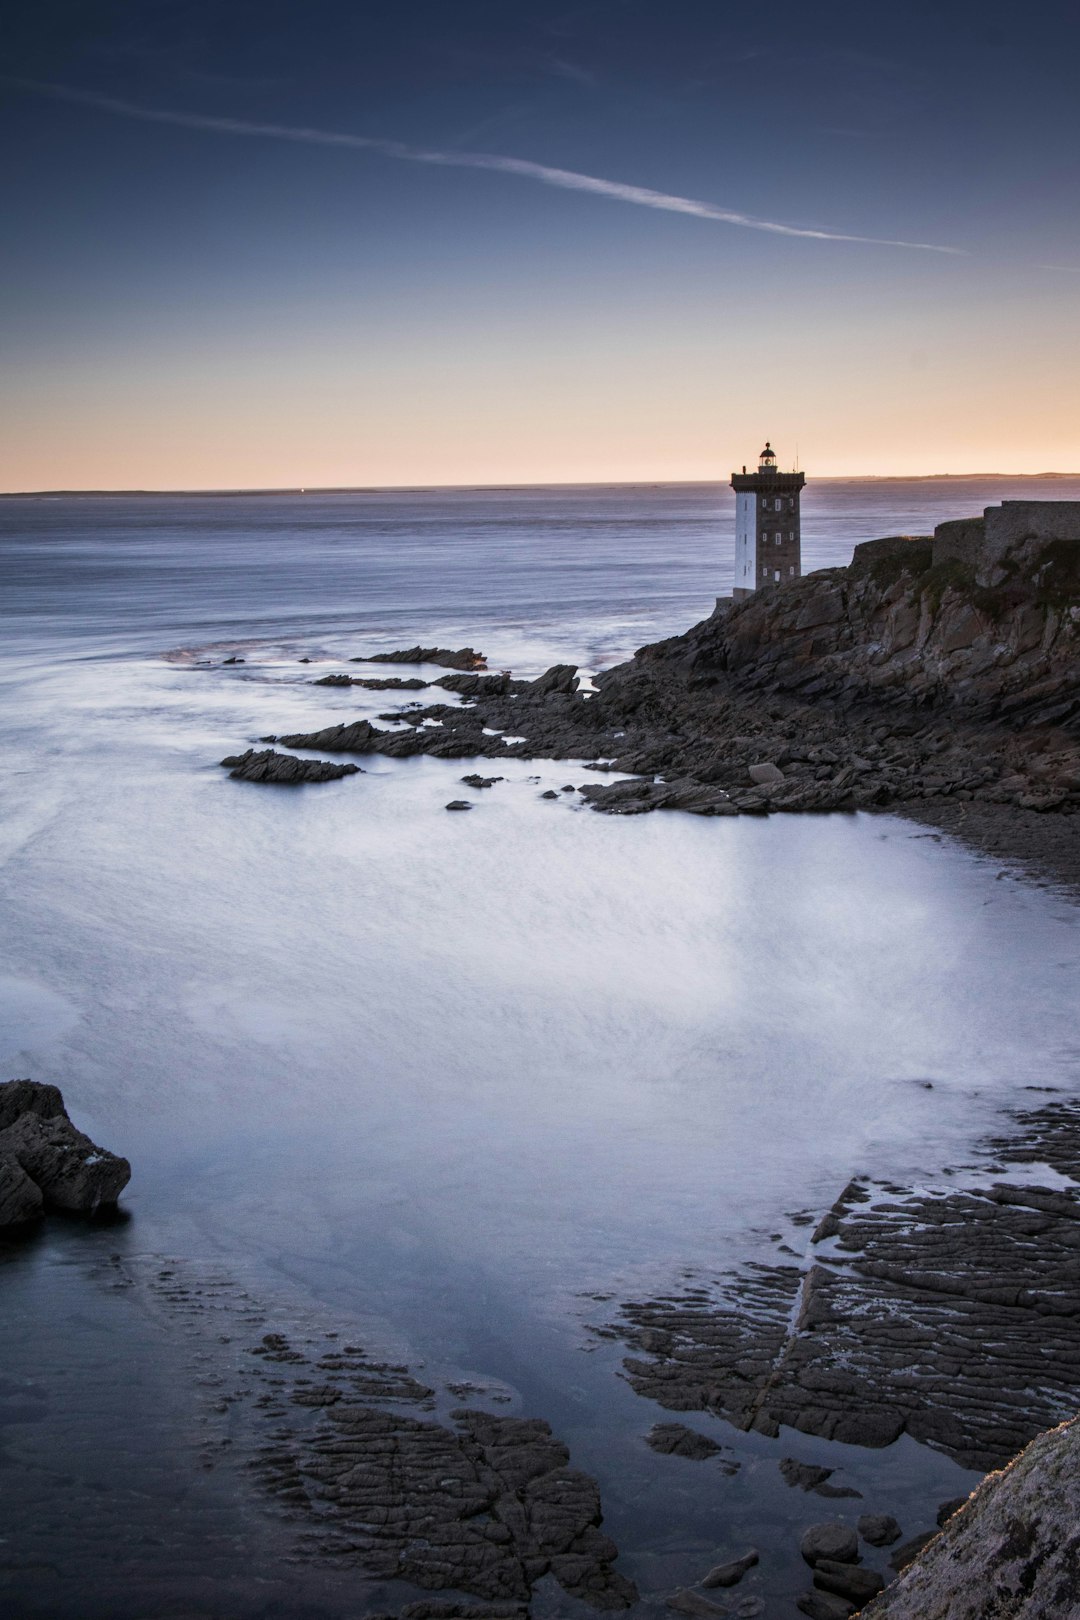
(768, 534)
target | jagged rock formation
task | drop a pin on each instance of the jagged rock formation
(463, 658)
(1012, 1551)
(949, 1315)
(45, 1163)
(285, 769)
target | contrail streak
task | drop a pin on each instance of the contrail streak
(565, 179)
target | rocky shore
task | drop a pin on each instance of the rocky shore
(915, 679)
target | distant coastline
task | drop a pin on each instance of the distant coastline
(412, 489)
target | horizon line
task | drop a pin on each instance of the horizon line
(558, 483)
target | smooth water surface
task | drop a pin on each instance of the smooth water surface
(435, 1078)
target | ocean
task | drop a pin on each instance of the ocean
(450, 1086)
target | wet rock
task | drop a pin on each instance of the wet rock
(879, 1529)
(232, 661)
(487, 1507)
(824, 1606)
(283, 769)
(947, 1509)
(465, 658)
(40, 1145)
(675, 1439)
(481, 781)
(390, 683)
(731, 1574)
(808, 1477)
(459, 804)
(845, 1580)
(950, 1315)
(833, 1541)
(687, 1601)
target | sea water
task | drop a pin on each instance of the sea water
(437, 1079)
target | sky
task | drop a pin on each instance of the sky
(497, 241)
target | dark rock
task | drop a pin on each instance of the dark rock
(731, 1574)
(46, 1162)
(391, 683)
(687, 1601)
(284, 769)
(833, 1541)
(675, 1439)
(481, 781)
(950, 1315)
(809, 1477)
(947, 1509)
(846, 1581)
(464, 658)
(459, 804)
(232, 660)
(21, 1199)
(879, 1529)
(824, 1606)
(550, 794)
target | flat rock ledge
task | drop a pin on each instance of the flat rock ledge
(950, 1314)
(1012, 1550)
(45, 1162)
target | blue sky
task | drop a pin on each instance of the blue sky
(193, 300)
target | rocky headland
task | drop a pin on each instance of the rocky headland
(935, 676)
(46, 1162)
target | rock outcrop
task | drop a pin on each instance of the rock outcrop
(463, 658)
(284, 769)
(45, 1162)
(1012, 1551)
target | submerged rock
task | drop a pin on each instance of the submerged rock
(834, 1542)
(45, 1162)
(284, 769)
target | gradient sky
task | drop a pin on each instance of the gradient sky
(189, 305)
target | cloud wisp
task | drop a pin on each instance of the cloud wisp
(541, 173)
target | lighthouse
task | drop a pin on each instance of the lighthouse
(768, 543)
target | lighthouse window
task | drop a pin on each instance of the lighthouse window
(779, 503)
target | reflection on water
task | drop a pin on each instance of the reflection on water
(432, 1078)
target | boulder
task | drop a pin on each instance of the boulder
(766, 775)
(45, 1162)
(731, 1574)
(824, 1606)
(879, 1529)
(834, 1541)
(847, 1580)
